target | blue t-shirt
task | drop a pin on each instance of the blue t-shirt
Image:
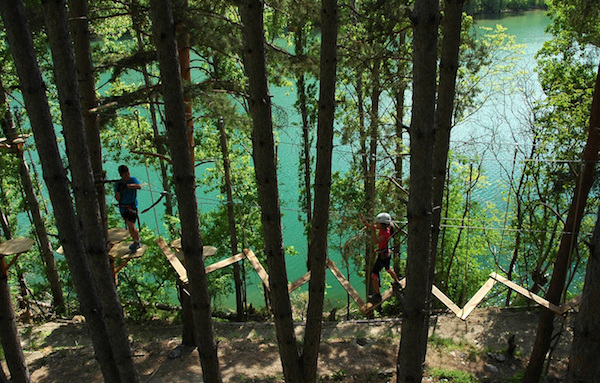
(128, 195)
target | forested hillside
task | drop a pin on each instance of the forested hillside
(148, 146)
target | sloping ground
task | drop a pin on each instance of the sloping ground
(352, 351)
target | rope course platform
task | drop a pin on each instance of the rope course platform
(367, 307)
(14, 247)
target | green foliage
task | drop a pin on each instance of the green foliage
(455, 376)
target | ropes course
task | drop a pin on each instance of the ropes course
(365, 307)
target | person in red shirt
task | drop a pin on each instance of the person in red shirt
(383, 223)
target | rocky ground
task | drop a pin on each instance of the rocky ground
(352, 351)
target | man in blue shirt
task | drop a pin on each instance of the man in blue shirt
(126, 193)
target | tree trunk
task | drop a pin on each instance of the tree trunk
(567, 243)
(183, 175)
(237, 277)
(84, 187)
(413, 343)
(34, 207)
(265, 165)
(85, 77)
(317, 251)
(583, 361)
(452, 27)
(9, 335)
(183, 50)
(36, 103)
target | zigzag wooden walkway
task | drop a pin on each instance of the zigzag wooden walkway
(365, 307)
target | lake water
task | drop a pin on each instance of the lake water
(528, 28)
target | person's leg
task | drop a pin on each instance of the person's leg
(133, 231)
(375, 283)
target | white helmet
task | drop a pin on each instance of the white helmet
(384, 218)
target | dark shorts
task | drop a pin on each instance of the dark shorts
(382, 262)
(130, 215)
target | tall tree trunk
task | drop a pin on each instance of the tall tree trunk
(413, 343)
(85, 76)
(452, 27)
(159, 142)
(301, 104)
(371, 164)
(317, 251)
(183, 50)
(34, 207)
(583, 361)
(163, 29)
(237, 277)
(9, 335)
(55, 176)
(84, 187)
(265, 166)
(568, 242)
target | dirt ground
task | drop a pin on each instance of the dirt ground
(352, 351)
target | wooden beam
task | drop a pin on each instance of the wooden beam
(446, 301)
(571, 304)
(298, 282)
(177, 265)
(478, 297)
(260, 270)
(345, 284)
(225, 263)
(526, 293)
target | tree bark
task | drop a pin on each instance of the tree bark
(84, 187)
(183, 175)
(567, 243)
(55, 176)
(583, 361)
(9, 335)
(34, 207)
(239, 286)
(318, 246)
(265, 165)
(85, 77)
(452, 27)
(415, 323)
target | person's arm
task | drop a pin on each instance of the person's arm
(133, 183)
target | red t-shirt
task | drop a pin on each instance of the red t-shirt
(384, 237)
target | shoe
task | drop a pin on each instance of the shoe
(134, 246)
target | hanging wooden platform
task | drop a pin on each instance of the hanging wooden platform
(14, 247)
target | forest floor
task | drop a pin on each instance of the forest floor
(352, 351)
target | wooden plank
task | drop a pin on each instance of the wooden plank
(121, 251)
(298, 282)
(345, 284)
(570, 304)
(177, 265)
(117, 234)
(368, 307)
(526, 293)
(207, 251)
(477, 298)
(225, 263)
(446, 301)
(16, 246)
(260, 270)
